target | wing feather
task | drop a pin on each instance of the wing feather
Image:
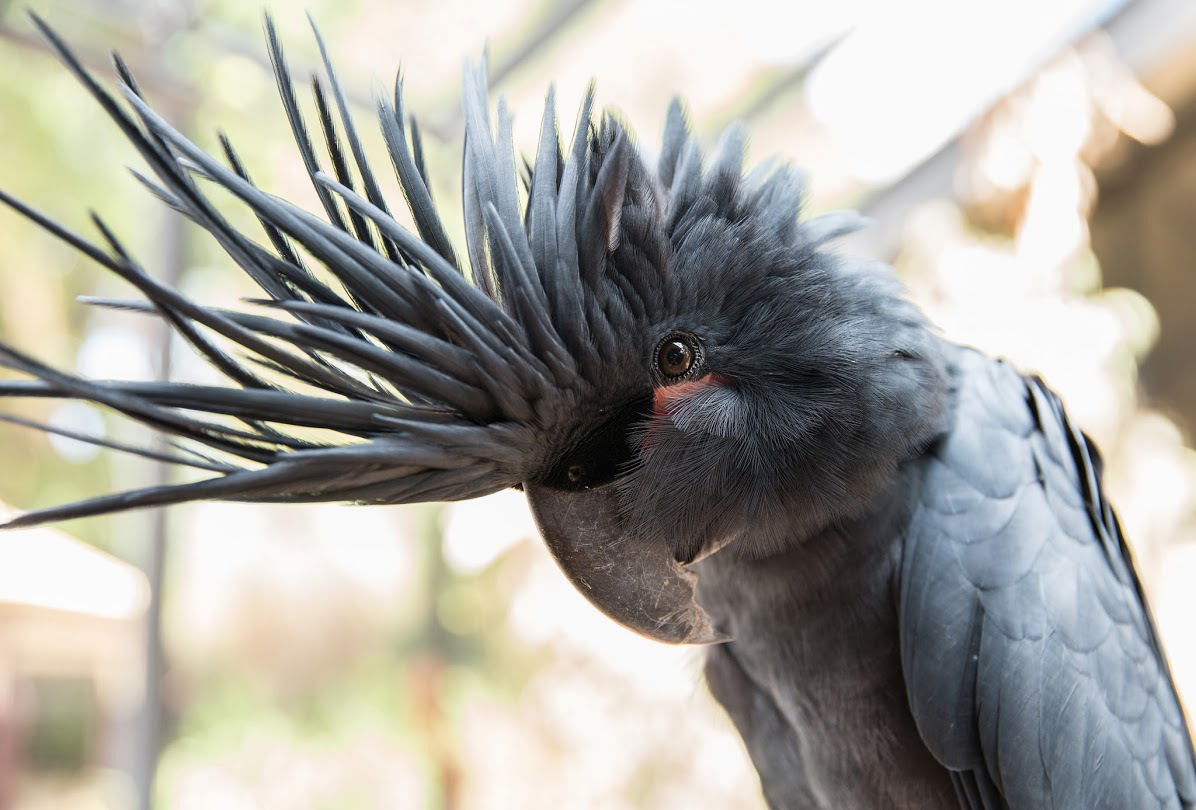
(1033, 666)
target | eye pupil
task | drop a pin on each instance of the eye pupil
(576, 473)
(676, 356)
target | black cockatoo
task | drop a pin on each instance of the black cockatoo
(914, 592)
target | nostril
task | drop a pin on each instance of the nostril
(605, 454)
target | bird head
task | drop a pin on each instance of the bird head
(665, 358)
(738, 386)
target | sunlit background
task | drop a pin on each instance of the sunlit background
(1031, 168)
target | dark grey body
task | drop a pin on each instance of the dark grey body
(813, 679)
(838, 637)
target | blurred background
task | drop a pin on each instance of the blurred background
(1032, 171)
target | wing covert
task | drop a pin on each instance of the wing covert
(1032, 664)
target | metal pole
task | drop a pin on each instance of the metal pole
(172, 260)
(150, 726)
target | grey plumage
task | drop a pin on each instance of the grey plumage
(1041, 642)
(925, 600)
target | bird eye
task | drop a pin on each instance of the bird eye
(677, 356)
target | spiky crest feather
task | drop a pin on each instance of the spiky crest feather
(440, 384)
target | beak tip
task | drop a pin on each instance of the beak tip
(696, 628)
(707, 635)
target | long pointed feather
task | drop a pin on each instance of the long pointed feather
(286, 92)
(600, 224)
(283, 407)
(411, 179)
(372, 192)
(676, 133)
(340, 166)
(230, 440)
(240, 485)
(100, 441)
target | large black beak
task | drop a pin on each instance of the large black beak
(640, 585)
(637, 583)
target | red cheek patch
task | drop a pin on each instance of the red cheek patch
(666, 395)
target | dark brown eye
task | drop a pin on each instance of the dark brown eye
(676, 356)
